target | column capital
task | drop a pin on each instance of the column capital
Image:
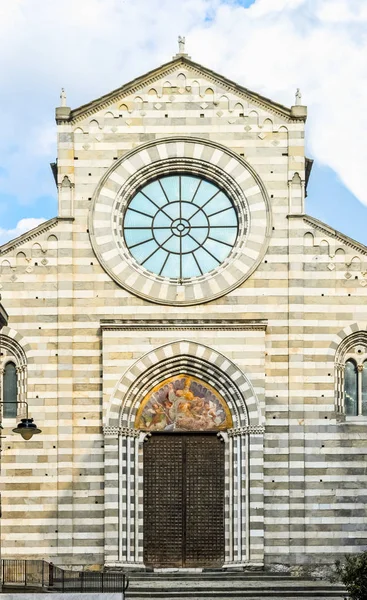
(115, 431)
(246, 430)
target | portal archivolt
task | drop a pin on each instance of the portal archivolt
(181, 388)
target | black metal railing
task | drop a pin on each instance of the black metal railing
(24, 572)
(39, 573)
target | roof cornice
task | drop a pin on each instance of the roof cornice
(358, 246)
(33, 233)
(151, 77)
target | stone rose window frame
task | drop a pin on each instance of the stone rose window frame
(186, 156)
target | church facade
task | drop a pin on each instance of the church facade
(192, 345)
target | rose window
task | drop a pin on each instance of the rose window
(180, 226)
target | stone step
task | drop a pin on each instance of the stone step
(304, 583)
(240, 585)
(210, 576)
(236, 577)
(225, 595)
(195, 594)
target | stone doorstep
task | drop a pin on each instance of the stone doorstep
(239, 596)
(308, 594)
(220, 594)
(230, 585)
(272, 585)
(212, 577)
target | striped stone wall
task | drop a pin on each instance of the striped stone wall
(59, 489)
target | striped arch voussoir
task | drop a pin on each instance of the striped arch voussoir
(16, 345)
(190, 358)
(347, 337)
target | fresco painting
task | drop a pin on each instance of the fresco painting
(183, 403)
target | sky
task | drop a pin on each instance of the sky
(91, 47)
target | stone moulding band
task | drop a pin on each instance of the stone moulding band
(183, 324)
(115, 432)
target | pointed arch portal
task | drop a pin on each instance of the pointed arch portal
(183, 456)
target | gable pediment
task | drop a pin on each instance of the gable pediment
(327, 247)
(182, 81)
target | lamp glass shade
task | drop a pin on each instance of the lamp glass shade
(26, 428)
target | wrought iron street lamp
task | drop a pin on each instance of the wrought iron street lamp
(27, 428)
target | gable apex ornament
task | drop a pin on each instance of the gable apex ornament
(298, 110)
(62, 97)
(62, 111)
(181, 47)
(181, 44)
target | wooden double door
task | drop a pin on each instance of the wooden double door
(184, 500)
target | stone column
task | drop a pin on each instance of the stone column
(111, 497)
(244, 524)
(123, 490)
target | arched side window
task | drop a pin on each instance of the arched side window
(351, 375)
(13, 378)
(10, 390)
(351, 388)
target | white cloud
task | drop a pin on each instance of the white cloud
(317, 45)
(21, 227)
(93, 46)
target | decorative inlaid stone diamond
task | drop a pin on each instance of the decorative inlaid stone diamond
(331, 266)
(204, 105)
(158, 106)
(348, 275)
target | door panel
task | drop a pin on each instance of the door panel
(163, 491)
(183, 500)
(204, 501)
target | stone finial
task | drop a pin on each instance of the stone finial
(298, 110)
(63, 111)
(181, 45)
(62, 97)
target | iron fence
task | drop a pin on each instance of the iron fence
(39, 573)
(24, 572)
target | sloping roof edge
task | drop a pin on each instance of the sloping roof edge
(309, 164)
(32, 233)
(98, 103)
(358, 246)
